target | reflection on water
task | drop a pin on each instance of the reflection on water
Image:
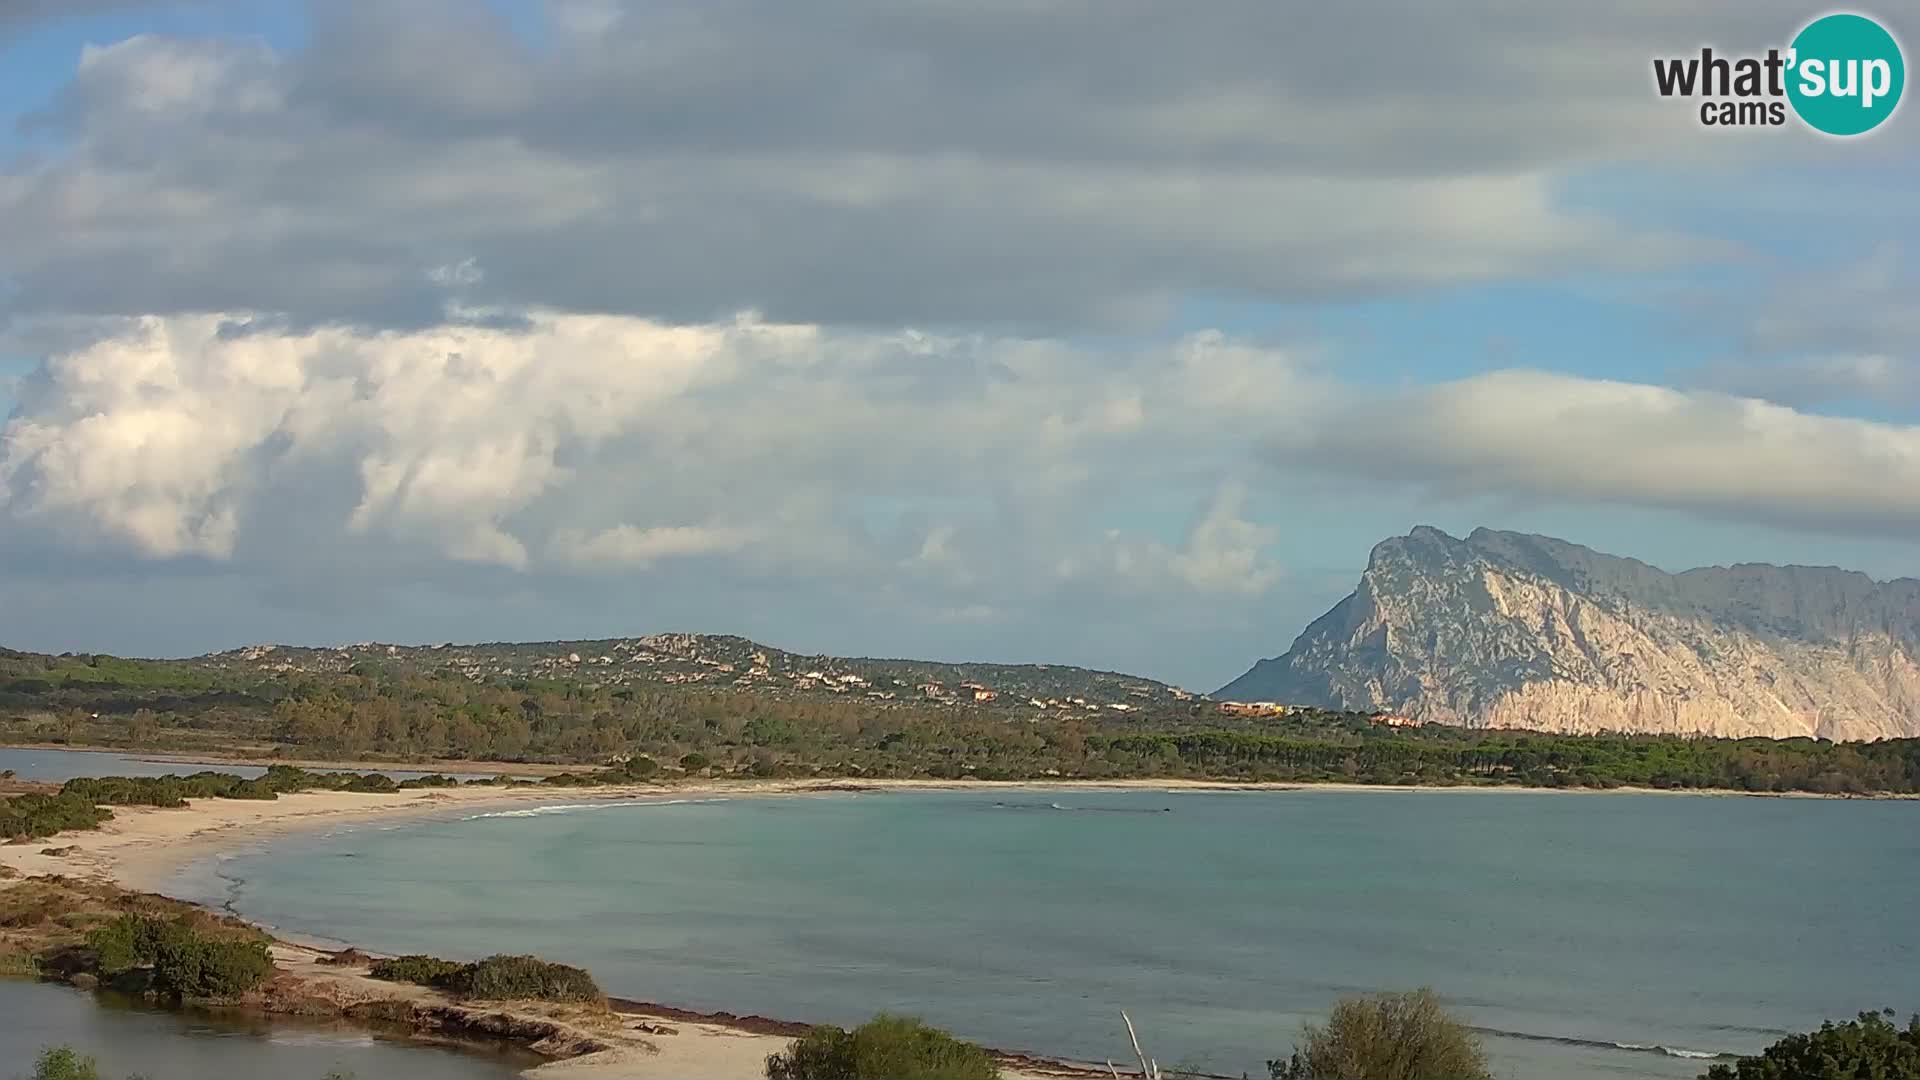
(127, 1036)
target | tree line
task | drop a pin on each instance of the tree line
(436, 716)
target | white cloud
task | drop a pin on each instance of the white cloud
(590, 442)
(1562, 438)
(1223, 554)
(626, 545)
(682, 161)
(1819, 380)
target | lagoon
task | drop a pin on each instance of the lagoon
(1591, 935)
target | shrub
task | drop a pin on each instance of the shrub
(62, 1063)
(1386, 1037)
(523, 978)
(184, 961)
(694, 762)
(375, 783)
(198, 967)
(35, 816)
(1868, 1047)
(416, 968)
(884, 1048)
(130, 941)
(640, 767)
(431, 780)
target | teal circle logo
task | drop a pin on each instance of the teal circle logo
(1846, 74)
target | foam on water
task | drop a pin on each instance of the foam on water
(570, 808)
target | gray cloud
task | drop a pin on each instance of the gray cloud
(1874, 381)
(18, 17)
(938, 163)
(1557, 438)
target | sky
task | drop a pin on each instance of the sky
(1044, 331)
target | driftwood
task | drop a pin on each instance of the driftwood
(1149, 1068)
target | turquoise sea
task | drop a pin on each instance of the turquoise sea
(1589, 935)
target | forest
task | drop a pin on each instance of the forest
(398, 712)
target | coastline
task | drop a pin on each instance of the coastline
(143, 849)
(670, 782)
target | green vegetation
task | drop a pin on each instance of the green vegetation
(78, 805)
(182, 960)
(65, 1063)
(517, 703)
(884, 1048)
(35, 816)
(1870, 1048)
(1386, 1037)
(496, 978)
(416, 968)
(61, 927)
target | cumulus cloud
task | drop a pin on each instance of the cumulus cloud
(1222, 554)
(1555, 437)
(605, 441)
(427, 299)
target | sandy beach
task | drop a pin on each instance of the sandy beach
(144, 849)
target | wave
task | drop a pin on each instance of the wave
(569, 808)
(1605, 1044)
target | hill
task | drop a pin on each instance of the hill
(1513, 630)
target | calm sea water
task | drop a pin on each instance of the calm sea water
(1578, 927)
(171, 1045)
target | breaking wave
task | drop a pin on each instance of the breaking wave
(1604, 1044)
(569, 808)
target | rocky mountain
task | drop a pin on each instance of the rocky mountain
(1512, 630)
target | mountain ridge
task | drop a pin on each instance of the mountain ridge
(1507, 629)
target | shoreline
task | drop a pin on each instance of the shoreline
(146, 849)
(706, 785)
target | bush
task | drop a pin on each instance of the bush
(62, 1063)
(198, 967)
(130, 941)
(884, 1048)
(694, 762)
(1386, 1037)
(523, 978)
(416, 968)
(185, 962)
(1868, 1047)
(431, 780)
(35, 816)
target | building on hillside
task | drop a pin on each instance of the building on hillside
(1254, 708)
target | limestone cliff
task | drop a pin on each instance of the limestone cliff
(1512, 630)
